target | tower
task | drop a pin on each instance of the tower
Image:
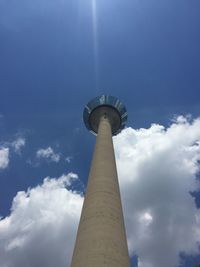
(101, 238)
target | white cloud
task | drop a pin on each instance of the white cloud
(69, 159)
(48, 154)
(18, 144)
(4, 157)
(40, 230)
(7, 148)
(157, 169)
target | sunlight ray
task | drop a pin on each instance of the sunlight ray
(95, 41)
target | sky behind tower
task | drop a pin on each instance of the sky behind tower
(55, 56)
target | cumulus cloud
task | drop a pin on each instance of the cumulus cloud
(157, 169)
(18, 144)
(6, 149)
(4, 157)
(40, 230)
(48, 154)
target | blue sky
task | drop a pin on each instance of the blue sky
(57, 55)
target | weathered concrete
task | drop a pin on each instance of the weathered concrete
(101, 239)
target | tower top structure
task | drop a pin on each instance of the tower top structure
(109, 107)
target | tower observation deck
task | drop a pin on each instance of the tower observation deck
(101, 238)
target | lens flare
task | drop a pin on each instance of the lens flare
(95, 41)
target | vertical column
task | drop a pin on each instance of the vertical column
(101, 239)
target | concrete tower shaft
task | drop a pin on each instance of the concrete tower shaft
(101, 238)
